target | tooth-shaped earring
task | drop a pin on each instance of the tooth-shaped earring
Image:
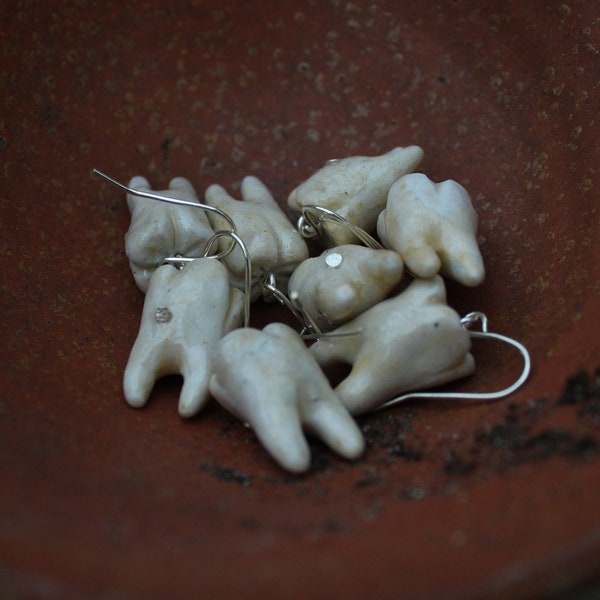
(356, 188)
(343, 282)
(433, 227)
(270, 380)
(186, 312)
(408, 342)
(273, 243)
(160, 229)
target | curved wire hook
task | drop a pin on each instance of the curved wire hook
(269, 284)
(309, 227)
(178, 201)
(248, 264)
(467, 321)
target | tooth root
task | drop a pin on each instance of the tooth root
(425, 345)
(433, 227)
(269, 379)
(356, 188)
(185, 314)
(159, 229)
(344, 282)
(273, 243)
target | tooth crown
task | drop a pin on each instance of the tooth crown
(356, 188)
(185, 314)
(343, 282)
(159, 230)
(433, 227)
(409, 342)
(273, 243)
(269, 379)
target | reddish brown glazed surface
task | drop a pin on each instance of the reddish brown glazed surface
(450, 500)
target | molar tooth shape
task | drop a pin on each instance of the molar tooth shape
(433, 226)
(185, 314)
(159, 229)
(356, 188)
(273, 243)
(269, 379)
(409, 342)
(343, 282)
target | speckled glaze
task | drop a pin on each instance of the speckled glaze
(270, 379)
(433, 226)
(274, 245)
(159, 229)
(343, 282)
(354, 187)
(466, 501)
(186, 313)
(412, 341)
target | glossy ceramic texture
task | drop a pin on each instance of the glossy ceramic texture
(465, 501)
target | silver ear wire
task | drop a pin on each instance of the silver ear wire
(467, 321)
(178, 201)
(310, 330)
(269, 284)
(309, 226)
(248, 265)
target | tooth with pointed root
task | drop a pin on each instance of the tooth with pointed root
(273, 243)
(185, 314)
(409, 342)
(356, 188)
(270, 380)
(343, 282)
(159, 230)
(433, 227)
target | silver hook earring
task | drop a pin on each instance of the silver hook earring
(247, 263)
(161, 198)
(309, 226)
(467, 321)
(179, 261)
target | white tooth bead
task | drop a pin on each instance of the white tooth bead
(159, 230)
(270, 380)
(356, 188)
(412, 341)
(185, 314)
(273, 243)
(344, 282)
(433, 227)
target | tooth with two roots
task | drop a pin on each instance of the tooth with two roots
(343, 282)
(185, 314)
(159, 229)
(355, 188)
(409, 342)
(433, 226)
(270, 380)
(274, 245)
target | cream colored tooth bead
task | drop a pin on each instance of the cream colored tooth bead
(412, 341)
(273, 243)
(356, 188)
(159, 230)
(343, 282)
(270, 380)
(433, 227)
(185, 314)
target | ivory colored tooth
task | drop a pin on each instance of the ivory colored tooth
(185, 314)
(356, 188)
(433, 226)
(269, 379)
(343, 282)
(273, 243)
(159, 229)
(409, 342)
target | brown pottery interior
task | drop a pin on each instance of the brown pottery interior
(451, 499)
